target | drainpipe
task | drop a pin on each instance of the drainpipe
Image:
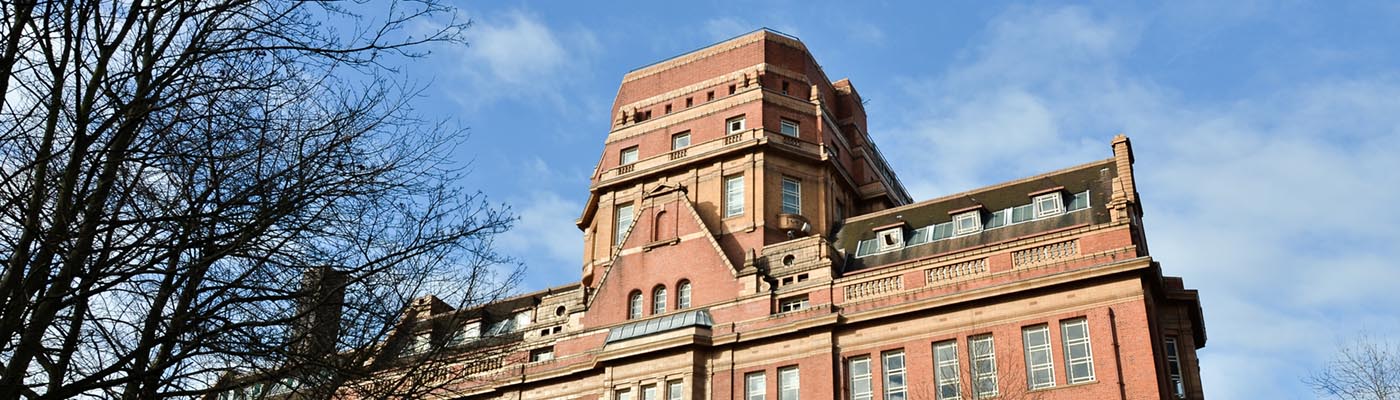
(1117, 354)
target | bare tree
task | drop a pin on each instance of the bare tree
(192, 190)
(1367, 368)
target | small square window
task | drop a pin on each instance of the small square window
(788, 127)
(890, 239)
(968, 222)
(735, 125)
(710, 96)
(1048, 204)
(629, 155)
(680, 140)
(731, 89)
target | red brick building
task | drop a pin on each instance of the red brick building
(744, 239)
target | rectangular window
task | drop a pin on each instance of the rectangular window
(1080, 201)
(668, 108)
(788, 127)
(984, 366)
(734, 125)
(675, 390)
(890, 239)
(689, 101)
(623, 394)
(1174, 368)
(785, 87)
(945, 370)
(623, 221)
(680, 140)
(920, 236)
(792, 196)
(544, 354)
(1040, 362)
(792, 304)
(942, 231)
(859, 371)
(894, 375)
(1048, 204)
(788, 384)
(1079, 358)
(731, 89)
(755, 386)
(1023, 213)
(733, 196)
(998, 219)
(867, 247)
(649, 392)
(710, 96)
(629, 155)
(968, 222)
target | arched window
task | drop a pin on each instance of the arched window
(658, 300)
(634, 305)
(683, 295)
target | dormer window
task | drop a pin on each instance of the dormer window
(967, 222)
(1048, 204)
(890, 239)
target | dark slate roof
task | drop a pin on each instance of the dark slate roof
(1096, 177)
(657, 325)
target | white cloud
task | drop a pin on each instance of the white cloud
(1278, 206)
(517, 56)
(545, 237)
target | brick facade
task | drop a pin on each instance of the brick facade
(805, 289)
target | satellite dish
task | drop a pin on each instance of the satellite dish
(806, 227)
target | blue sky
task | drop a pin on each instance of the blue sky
(1266, 134)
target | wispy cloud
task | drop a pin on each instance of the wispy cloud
(516, 55)
(1279, 206)
(545, 237)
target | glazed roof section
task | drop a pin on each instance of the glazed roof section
(1096, 178)
(698, 318)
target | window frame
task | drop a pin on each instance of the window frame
(623, 215)
(796, 193)
(675, 389)
(974, 216)
(683, 294)
(754, 391)
(542, 354)
(784, 124)
(650, 392)
(658, 300)
(892, 391)
(882, 242)
(794, 303)
(682, 135)
(974, 356)
(945, 358)
(1056, 199)
(1174, 375)
(622, 394)
(853, 378)
(1046, 348)
(1069, 343)
(786, 382)
(729, 128)
(634, 305)
(622, 158)
(734, 195)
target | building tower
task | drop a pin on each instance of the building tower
(744, 239)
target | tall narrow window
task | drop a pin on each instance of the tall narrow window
(755, 386)
(984, 366)
(683, 295)
(1174, 368)
(792, 196)
(735, 125)
(1079, 358)
(733, 196)
(1040, 362)
(624, 220)
(649, 392)
(787, 127)
(680, 140)
(634, 305)
(945, 370)
(629, 155)
(859, 371)
(658, 300)
(788, 383)
(675, 390)
(894, 375)
(785, 87)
